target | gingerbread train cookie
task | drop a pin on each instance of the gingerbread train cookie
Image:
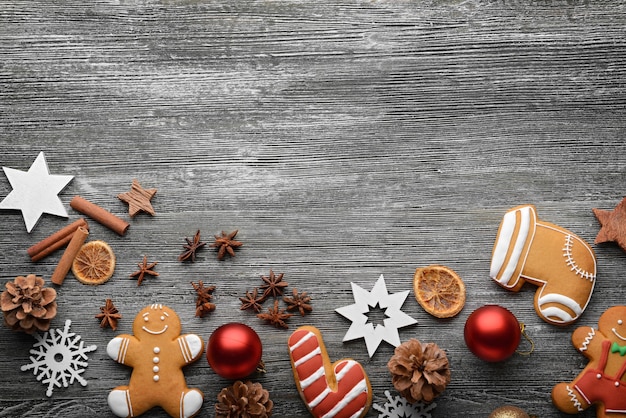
(601, 382)
(156, 352)
(341, 389)
(546, 255)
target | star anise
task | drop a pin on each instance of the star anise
(192, 246)
(226, 244)
(205, 294)
(144, 268)
(252, 300)
(276, 316)
(299, 301)
(203, 308)
(109, 315)
(274, 285)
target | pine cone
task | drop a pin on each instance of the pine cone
(27, 305)
(420, 371)
(244, 400)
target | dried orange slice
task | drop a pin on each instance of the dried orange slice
(439, 290)
(94, 263)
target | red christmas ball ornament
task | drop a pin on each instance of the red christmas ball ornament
(492, 333)
(234, 351)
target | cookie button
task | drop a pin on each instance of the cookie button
(598, 376)
(156, 350)
(156, 378)
(155, 369)
(155, 360)
(616, 384)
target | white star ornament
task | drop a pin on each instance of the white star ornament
(35, 192)
(357, 313)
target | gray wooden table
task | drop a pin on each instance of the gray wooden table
(343, 139)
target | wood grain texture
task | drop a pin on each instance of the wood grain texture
(344, 139)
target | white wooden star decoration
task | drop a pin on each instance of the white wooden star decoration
(35, 192)
(357, 313)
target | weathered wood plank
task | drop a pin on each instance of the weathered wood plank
(344, 139)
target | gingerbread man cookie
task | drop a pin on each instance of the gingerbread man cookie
(340, 390)
(546, 255)
(156, 352)
(602, 382)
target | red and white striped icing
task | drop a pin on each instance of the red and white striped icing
(348, 398)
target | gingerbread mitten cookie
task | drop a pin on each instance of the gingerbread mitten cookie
(602, 382)
(156, 352)
(341, 389)
(546, 255)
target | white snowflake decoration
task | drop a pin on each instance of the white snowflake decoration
(59, 358)
(362, 328)
(398, 407)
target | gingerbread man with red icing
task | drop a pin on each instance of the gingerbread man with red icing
(156, 352)
(602, 382)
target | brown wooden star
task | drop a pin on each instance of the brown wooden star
(138, 199)
(613, 225)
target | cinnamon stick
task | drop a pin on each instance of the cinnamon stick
(100, 215)
(65, 263)
(55, 241)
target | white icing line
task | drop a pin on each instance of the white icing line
(123, 350)
(345, 370)
(358, 413)
(184, 349)
(519, 245)
(562, 300)
(130, 406)
(309, 380)
(618, 335)
(569, 260)
(302, 341)
(574, 399)
(319, 398)
(581, 394)
(588, 339)
(502, 244)
(155, 332)
(350, 396)
(557, 312)
(308, 357)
